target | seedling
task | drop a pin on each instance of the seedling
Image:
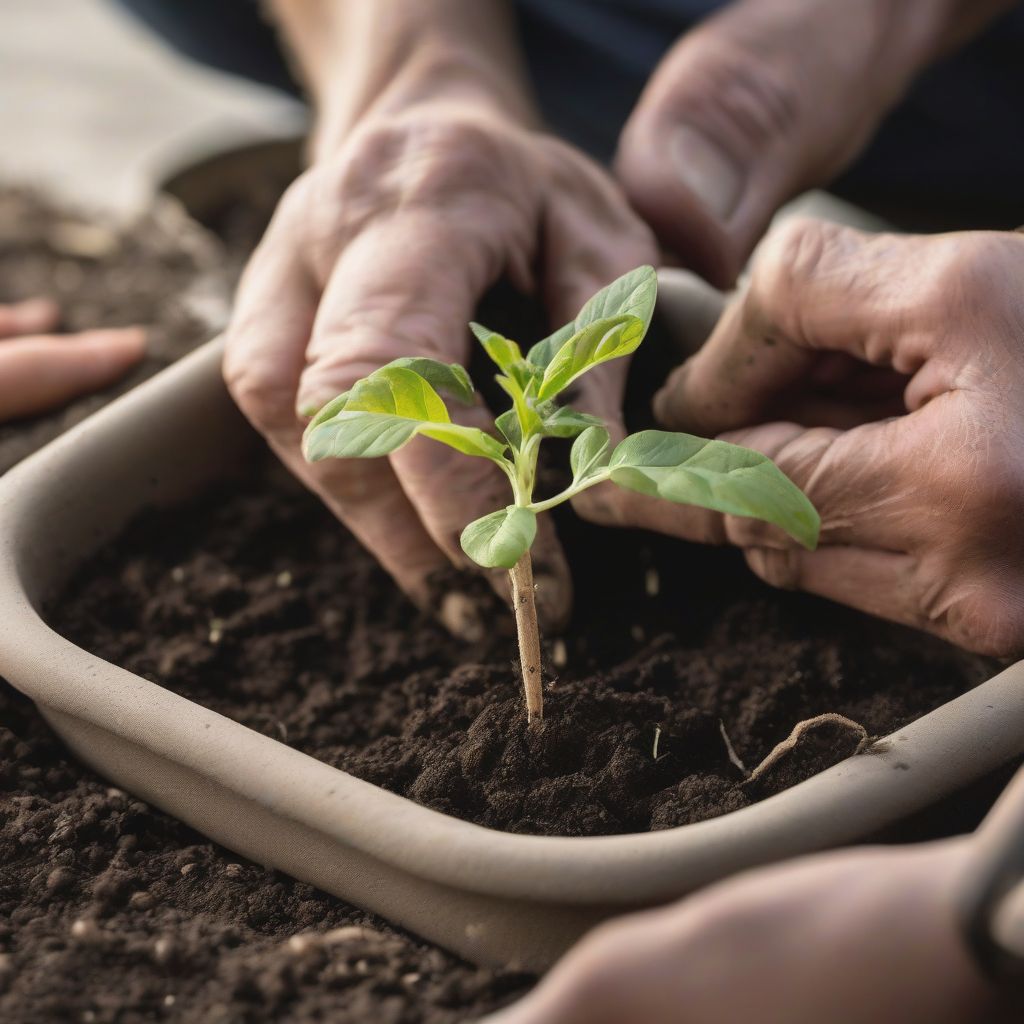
(387, 409)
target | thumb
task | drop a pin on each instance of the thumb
(755, 105)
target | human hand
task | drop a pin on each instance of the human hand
(40, 370)
(768, 98)
(854, 937)
(885, 376)
(383, 250)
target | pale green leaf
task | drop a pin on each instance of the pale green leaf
(544, 351)
(565, 422)
(397, 391)
(386, 410)
(500, 539)
(601, 340)
(633, 294)
(448, 377)
(590, 452)
(529, 421)
(508, 424)
(715, 475)
(503, 351)
(332, 408)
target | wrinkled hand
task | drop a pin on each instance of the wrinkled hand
(384, 251)
(885, 376)
(40, 370)
(764, 100)
(861, 937)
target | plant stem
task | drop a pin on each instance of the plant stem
(529, 635)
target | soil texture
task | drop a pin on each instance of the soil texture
(255, 602)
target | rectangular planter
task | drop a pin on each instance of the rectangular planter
(493, 897)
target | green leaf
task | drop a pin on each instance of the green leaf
(506, 354)
(449, 377)
(529, 421)
(562, 421)
(590, 452)
(331, 409)
(605, 339)
(500, 539)
(716, 475)
(633, 294)
(508, 424)
(386, 410)
(544, 351)
(502, 350)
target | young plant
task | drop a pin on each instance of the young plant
(399, 401)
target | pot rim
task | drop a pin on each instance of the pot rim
(901, 773)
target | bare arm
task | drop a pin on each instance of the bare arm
(357, 57)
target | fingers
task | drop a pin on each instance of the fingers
(264, 360)
(43, 372)
(753, 106)
(878, 582)
(389, 296)
(298, 341)
(816, 289)
(32, 316)
(606, 978)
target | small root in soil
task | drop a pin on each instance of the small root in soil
(734, 759)
(790, 742)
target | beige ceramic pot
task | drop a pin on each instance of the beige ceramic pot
(493, 897)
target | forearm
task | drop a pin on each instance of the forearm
(358, 57)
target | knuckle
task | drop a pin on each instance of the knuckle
(778, 567)
(419, 162)
(267, 399)
(790, 255)
(743, 100)
(987, 618)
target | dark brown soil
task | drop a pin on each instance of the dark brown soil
(113, 912)
(109, 910)
(253, 601)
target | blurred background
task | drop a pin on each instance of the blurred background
(96, 109)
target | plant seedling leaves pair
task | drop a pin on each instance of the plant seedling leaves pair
(506, 354)
(627, 299)
(716, 475)
(500, 539)
(386, 410)
(604, 339)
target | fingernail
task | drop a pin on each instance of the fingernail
(708, 172)
(460, 615)
(554, 600)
